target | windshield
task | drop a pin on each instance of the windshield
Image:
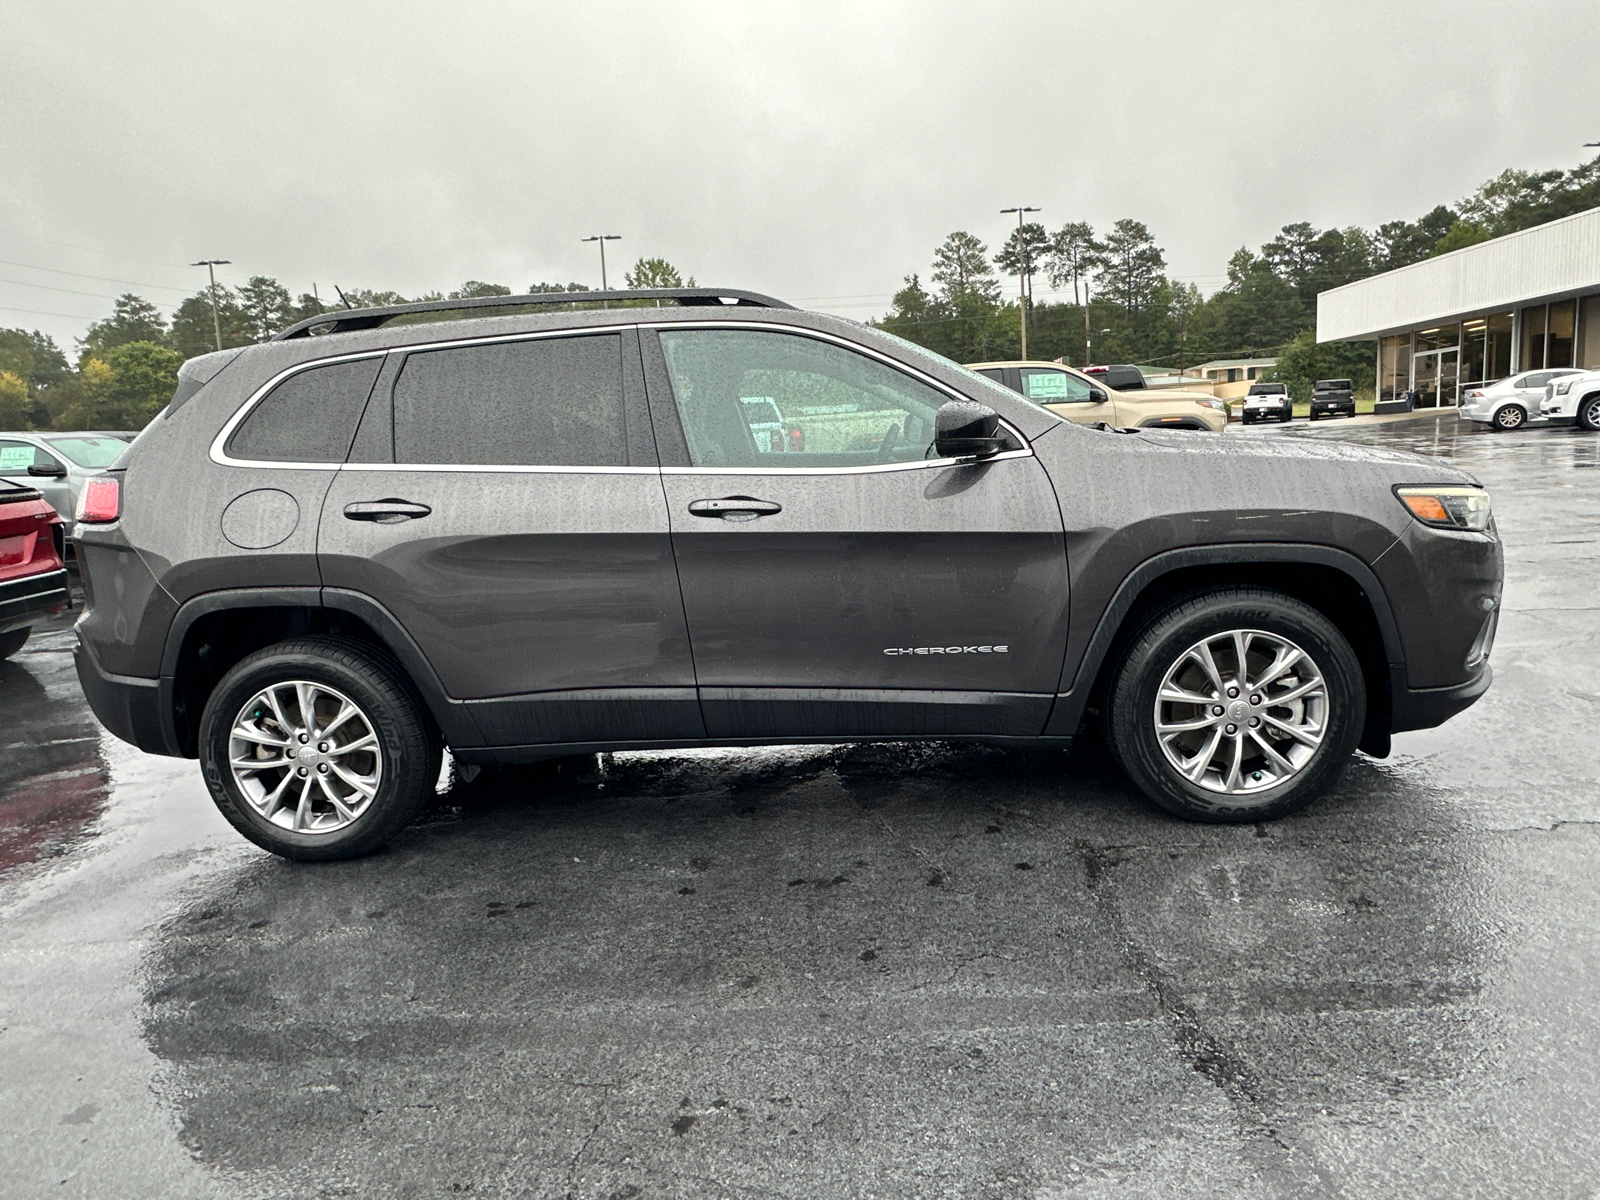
(92, 452)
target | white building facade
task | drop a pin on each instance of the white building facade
(1516, 303)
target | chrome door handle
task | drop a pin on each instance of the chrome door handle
(385, 512)
(734, 508)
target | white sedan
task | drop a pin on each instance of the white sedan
(1510, 403)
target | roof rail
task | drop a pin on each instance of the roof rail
(349, 320)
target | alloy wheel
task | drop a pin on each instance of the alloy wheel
(1241, 711)
(1510, 417)
(305, 757)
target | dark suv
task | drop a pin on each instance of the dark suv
(558, 532)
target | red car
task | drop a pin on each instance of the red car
(33, 573)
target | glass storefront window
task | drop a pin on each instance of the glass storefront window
(1532, 338)
(1445, 337)
(1558, 346)
(1394, 366)
(1497, 361)
(1474, 350)
(1588, 355)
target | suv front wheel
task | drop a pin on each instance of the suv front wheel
(316, 749)
(1236, 705)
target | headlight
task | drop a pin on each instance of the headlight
(1219, 405)
(1563, 387)
(1447, 507)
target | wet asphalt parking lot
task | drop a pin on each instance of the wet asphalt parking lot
(896, 971)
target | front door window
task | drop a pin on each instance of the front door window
(749, 398)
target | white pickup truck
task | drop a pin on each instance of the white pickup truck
(1572, 399)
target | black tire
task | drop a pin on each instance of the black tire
(1164, 640)
(1589, 412)
(1286, 418)
(1512, 416)
(375, 683)
(11, 642)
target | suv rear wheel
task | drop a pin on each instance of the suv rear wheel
(1236, 705)
(11, 642)
(317, 749)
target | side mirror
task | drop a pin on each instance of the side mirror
(1098, 395)
(967, 429)
(53, 471)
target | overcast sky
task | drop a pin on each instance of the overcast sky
(818, 151)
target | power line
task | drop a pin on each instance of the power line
(89, 250)
(70, 292)
(39, 312)
(81, 275)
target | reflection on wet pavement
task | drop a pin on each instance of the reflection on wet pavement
(896, 970)
(52, 778)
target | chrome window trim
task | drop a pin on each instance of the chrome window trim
(868, 469)
(868, 351)
(218, 456)
(490, 468)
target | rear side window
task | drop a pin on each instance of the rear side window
(309, 417)
(542, 402)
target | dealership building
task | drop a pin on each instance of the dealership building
(1516, 303)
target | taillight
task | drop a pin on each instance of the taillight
(797, 439)
(100, 501)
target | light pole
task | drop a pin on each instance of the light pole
(1023, 266)
(211, 265)
(603, 238)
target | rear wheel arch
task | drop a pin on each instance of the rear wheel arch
(1335, 583)
(213, 632)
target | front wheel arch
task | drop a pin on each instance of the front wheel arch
(1335, 582)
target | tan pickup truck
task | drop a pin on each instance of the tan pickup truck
(1079, 397)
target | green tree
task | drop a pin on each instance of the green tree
(266, 307)
(133, 319)
(14, 402)
(1024, 252)
(474, 289)
(656, 273)
(543, 289)
(124, 389)
(1303, 361)
(192, 331)
(1131, 267)
(1255, 313)
(1073, 257)
(367, 298)
(90, 401)
(1461, 235)
(144, 377)
(1401, 243)
(961, 267)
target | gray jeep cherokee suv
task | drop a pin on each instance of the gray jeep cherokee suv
(538, 533)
